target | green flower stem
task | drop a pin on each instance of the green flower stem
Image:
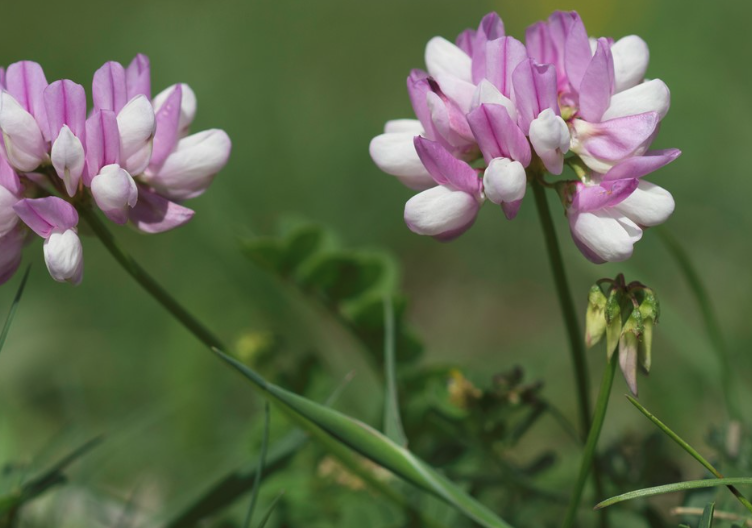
(344, 455)
(689, 449)
(147, 282)
(601, 406)
(566, 303)
(728, 380)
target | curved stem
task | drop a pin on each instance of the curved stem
(147, 282)
(601, 406)
(728, 381)
(576, 343)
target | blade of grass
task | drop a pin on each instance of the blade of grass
(50, 478)
(713, 328)
(689, 449)
(673, 488)
(13, 308)
(706, 521)
(370, 443)
(271, 509)
(392, 420)
(259, 470)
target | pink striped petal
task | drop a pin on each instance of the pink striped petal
(577, 52)
(156, 214)
(534, 91)
(102, 143)
(446, 169)
(639, 166)
(607, 194)
(168, 131)
(498, 135)
(65, 102)
(45, 215)
(615, 139)
(108, 89)
(490, 28)
(597, 84)
(138, 77)
(539, 43)
(26, 82)
(503, 56)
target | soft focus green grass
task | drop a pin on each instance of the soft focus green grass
(301, 87)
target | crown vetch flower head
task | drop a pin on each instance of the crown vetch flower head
(132, 157)
(506, 110)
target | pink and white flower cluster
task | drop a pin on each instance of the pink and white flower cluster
(131, 155)
(493, 113)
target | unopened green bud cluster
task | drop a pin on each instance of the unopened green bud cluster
(626, 315)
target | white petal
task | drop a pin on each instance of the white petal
(25, 146)
(395, 154)
(136, 124)
(549, 136)
(190, 169)
(606, 233)
(444, 57)
(440, 211)
(187, 105)
(412, 126)
(504, 181)
(650, 96)
(487, 93)
(64, 256)
(114, 191)
(649, 205)
(68, 158)
(631, 57)
(459, 91)
(8, 217)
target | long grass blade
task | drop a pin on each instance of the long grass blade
(13, 308)
(271, 509)
(392, 420)
(689, 449)
(673, 488)
(259, 470)
(375, 446)
(706, 521)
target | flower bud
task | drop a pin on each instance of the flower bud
(64, 257)
(114, 191)
(613, 320)
(595, 317)
(649, 311)
(504, 183)
(629, 344)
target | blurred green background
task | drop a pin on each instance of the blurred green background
(301, 87)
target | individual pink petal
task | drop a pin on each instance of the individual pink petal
(188, 106)
(168, 132)
(26, 82)
(65, 102)
(44, 215)
(446, 169)
(498, 135)
(108, 89)
(539, 44)
(449, 122)
(503, 56)
(491, 28)
(615, 139)
(418, 88)
(577, 52)
(138, 77)
(534, 91)
(102, 143)
(639, 166)
(156, 214)
(465, 41)
(8, 177)
(607, 194)
(597, 83)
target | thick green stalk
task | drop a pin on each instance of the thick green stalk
(568, 310)
(147, 282)
(713, 328)
(601, 406)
